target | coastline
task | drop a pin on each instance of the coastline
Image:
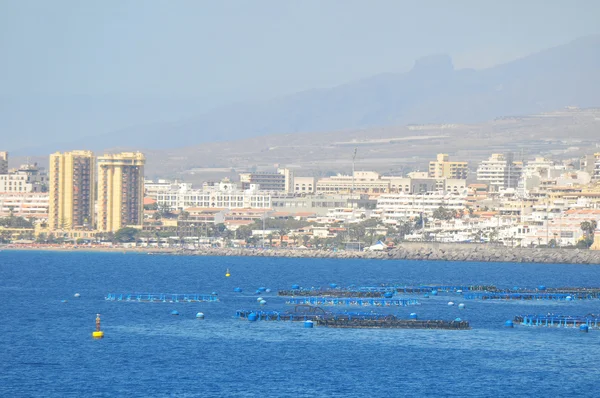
(432, 251)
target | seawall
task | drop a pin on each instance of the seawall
(429, 251)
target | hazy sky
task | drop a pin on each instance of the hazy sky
(231, 50)
(73, 69)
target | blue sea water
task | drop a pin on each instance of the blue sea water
(46, 348)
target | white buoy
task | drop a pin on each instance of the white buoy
(200, 315)
(77, 295)
(262, 302)
(259, 299)
(450, 303)
(461, 306)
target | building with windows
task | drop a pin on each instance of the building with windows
(304, 185)
(596, 170)
(3, 162)
(442, 167)
(280, 181)
(71, 190)
(394, 208)
(226, 195)
(27, 178)
(500, 172)
(24, 204)
(370, 182)
(120, 190)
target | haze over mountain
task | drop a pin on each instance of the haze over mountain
(433, 91)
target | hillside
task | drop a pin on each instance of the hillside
(431, 92)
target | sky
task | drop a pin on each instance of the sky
(206, 53)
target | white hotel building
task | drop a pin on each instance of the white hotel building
(402, 207)
(224, 196)
(24, 204)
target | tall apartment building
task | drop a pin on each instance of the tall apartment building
(3, 162)
(500, 172)
(120, 190)
(443, 167)
(72, 189)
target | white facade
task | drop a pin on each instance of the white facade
(596, 173)
(26, 179)
(153, 187)
(226, 196)
(304, 185)
(499, 172)
(31, 204)
(401, 207)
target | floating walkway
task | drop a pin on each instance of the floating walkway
(518, 296)
(591, 320)
(162, 297)
(351, 301)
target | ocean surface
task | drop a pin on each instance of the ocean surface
(46, 349)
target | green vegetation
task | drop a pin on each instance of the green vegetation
(127, 234)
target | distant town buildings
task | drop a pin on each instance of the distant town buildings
(442, 167)
(534, 202)
(72, 190)
(120, 190)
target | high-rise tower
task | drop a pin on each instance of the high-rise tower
(120, 190)
(72, 190)
(3, 162)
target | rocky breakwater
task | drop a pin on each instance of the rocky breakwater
(496, 253)
(430, 251)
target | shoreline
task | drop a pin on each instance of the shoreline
(431, 251)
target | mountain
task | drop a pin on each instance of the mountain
(433, 91)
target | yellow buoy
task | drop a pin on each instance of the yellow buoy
(227, 274)
(98, 334)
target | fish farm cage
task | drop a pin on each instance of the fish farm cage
(377, 291)
(518, 296)
(590, 320)
(353, 301)
(162, 297)
(325, 318)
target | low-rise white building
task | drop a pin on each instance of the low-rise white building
(225, 196)
(401, 207)
(27, 178)
(24, 204)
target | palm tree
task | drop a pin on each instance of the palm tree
(305, 239)
(282, 233)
